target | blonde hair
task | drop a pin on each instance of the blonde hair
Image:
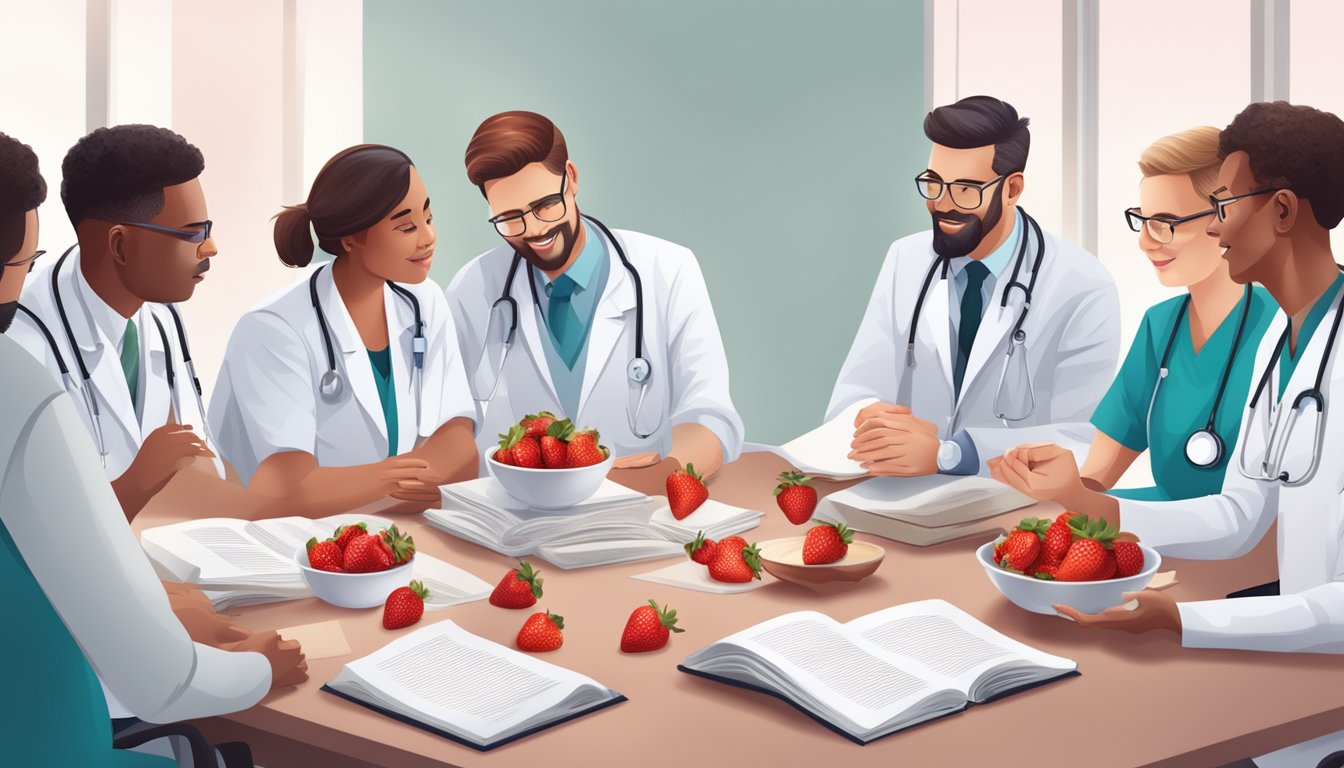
(1193, 152)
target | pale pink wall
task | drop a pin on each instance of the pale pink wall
(1316, 59)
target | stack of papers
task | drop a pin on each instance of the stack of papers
(824, 451)
(616, 525)
(236, 562)
(922, 510)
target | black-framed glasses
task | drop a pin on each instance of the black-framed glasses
(547, 209)
(966, 195)
(28, 262)
(1160, 228)
(196, 236)
(1220, 203)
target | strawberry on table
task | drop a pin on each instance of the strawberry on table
(648, 628)
(735, 562)
(541, 633)
(1089, 557)
(1023, 546)
(325, 555)
(686, 491)
(520, 588)
(405, 606)
(555, 444)
(701, 550)
(584, 450)
(826, 543)
(796, 499)
(536, 424)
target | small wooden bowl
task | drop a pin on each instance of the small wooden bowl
(783, 559)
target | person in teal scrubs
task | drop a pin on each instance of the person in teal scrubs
(1205, 339)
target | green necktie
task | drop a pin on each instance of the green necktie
(564, 321)
(972, 307)
(130, 358)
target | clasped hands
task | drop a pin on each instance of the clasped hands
(890, 440)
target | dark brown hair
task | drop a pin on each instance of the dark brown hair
(1293, 147)
(505, 143)
(981, 121)
(353, 191)
(21, 190)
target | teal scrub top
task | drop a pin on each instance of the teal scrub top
(1185, 398)
(56, 714)
(1288, 357)
(387, 394)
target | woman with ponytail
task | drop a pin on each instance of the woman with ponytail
(348, 388)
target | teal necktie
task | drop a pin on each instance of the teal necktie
(130, 358)
(972, 307)
(564, 321)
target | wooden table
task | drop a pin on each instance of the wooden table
(1141, 700)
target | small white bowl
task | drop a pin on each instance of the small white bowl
(550, 488)
(1041, 595)
(354, 590)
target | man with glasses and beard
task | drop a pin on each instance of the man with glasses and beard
(615, 327)
(984, 332)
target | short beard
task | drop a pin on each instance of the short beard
(565, 230)
(971, 235)
(7, 311)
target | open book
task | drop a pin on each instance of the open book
(922, 510)
(448, 681)
(879, 673)
(615, 525)
(822, 452)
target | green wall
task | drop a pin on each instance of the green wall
(776, 140)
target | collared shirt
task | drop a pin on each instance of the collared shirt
(1289, 356)
(995, 261)
(112, 325)
(589, 273)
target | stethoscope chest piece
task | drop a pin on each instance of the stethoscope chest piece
(331, 386)
(1204, 448)
(638, 370)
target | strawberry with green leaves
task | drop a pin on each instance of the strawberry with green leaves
(648, 628)
(345, 533)
(584, 451)
(701, 550)
(405, 606)
(555, 444)
(541, 633)
(520, 588)
(367, 553)
(326, 555)
(734, 562)
(1020, 550)
(536, 424)
(1089, 557)
(686, 491)
(795, 497)
(826, 543)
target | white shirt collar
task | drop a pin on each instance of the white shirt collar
(997, 260)
(103, 317)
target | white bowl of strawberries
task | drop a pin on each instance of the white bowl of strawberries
(546, 464)
(1085, 564)
(355, 568)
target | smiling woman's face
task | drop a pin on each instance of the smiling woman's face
(1192, 255)
(400, 247)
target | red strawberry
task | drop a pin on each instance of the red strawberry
(1128, 558)
(795, 497)
(1065, 517)
(555, 444)
(343, 534)
(735, 562)
(1089, 558)
(502, 456)
(325, 555)
(1058, 538)
(506, 443)
(541, 633)
(584, 451)
(519, 588)
(1023, 545)
(536, 424)
(826, 543)
(648, 628)
(405, 606)
(701, 550)
(402, 546)
(686, 491)
(527, 453)
(1046, 571)
(366, 553)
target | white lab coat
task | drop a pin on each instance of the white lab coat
(123, 431)
(70, 530)
(266, 400)
(689, 384)
(1308, 614)
(1073, 342)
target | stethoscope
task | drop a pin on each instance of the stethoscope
(332, 383)
(1271, 468)
(639, 370)
(1017, 344)
(86, 390)
(1203, 447)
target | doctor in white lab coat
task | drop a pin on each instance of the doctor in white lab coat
(956, 397)
(347, 388)
(578, 305)
(1277, 205)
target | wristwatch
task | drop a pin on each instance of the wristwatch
(949, 455)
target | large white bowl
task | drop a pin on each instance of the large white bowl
(354, 590)
(1041, 595)
(550, 488)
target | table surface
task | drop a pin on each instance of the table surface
(1140, 700)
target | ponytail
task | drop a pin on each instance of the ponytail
(293, 241)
